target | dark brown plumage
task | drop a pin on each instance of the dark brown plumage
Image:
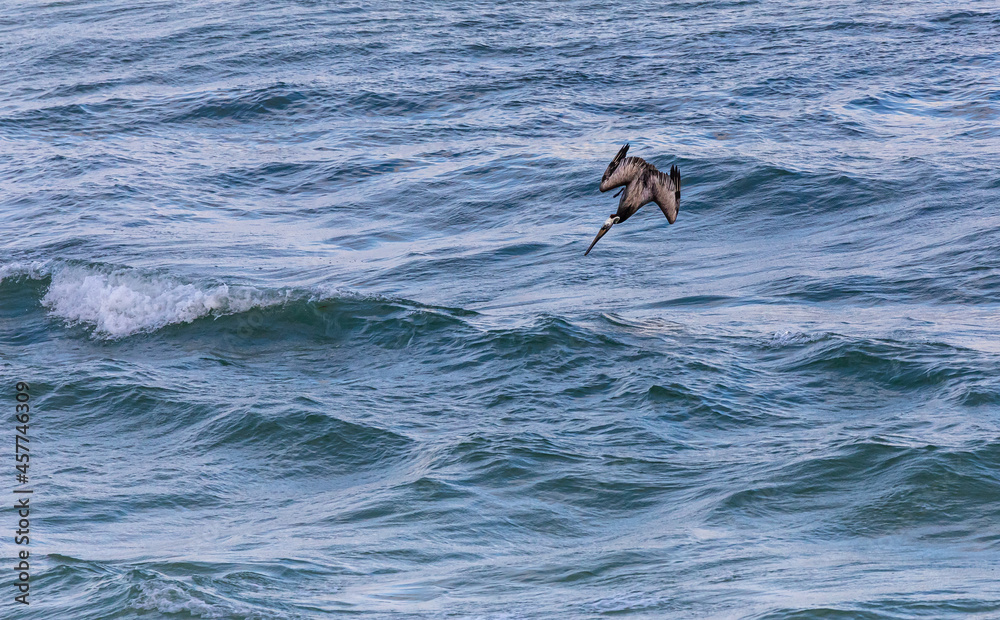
(643, 183)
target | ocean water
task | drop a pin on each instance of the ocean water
(299, 291)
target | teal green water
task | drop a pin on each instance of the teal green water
(300, 294)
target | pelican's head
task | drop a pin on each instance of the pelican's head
(608, 223)
(606, 181)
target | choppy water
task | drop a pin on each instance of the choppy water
(299, 289)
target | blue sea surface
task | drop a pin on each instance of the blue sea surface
(299, 291)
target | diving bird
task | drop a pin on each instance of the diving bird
(643, 183)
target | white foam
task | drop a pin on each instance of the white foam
(33, 270)
(787, 338)
(124, 302)
(168, 598)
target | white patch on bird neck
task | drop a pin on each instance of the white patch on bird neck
(611, 221)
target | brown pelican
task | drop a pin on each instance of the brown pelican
(643, 183)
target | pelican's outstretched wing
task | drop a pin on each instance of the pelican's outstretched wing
(666, 190)
(619, 157)
(622, 170)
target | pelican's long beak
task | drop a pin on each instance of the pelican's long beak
(604, 229)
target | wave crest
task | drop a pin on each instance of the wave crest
(122, 303)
